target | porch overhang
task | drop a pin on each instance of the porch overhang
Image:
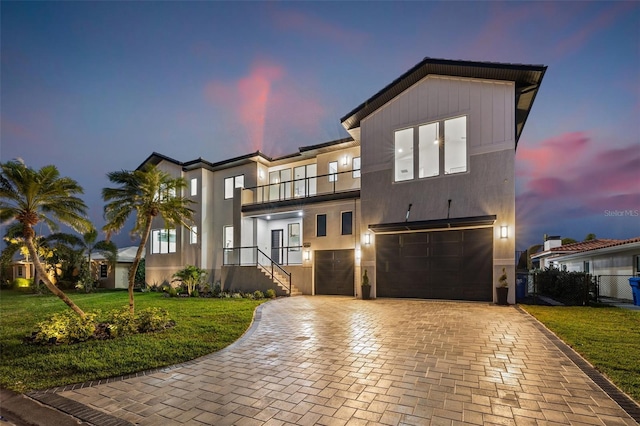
(432, 225)
(299, 202)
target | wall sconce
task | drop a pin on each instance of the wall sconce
(504, 231)
(307, 255)
(345, 160)
(358, 254)
(260, 174)
(367, 239)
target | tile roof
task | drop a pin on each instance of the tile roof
(585, 245)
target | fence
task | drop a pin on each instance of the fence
(575, 288)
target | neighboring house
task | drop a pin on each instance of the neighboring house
(22, 269)
(114, 276)
(553, 248)
(421, 195)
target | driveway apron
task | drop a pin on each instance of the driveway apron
(337, 361)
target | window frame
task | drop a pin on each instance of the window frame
(324, 217)
(234, 183)
(156, 246)
(193, 235)
(355, 172)
(333, 175)
(194, 187)
(342, 222)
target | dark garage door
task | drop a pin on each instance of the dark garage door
(455, 265)
(334, 272)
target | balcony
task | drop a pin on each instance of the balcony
(333, 186)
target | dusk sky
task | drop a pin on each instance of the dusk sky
(94, 87)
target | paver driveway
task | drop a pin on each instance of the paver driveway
(335, 361)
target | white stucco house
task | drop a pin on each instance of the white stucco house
(421, 195)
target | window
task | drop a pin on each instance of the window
(280, 184)
(194, 187)
(347, 223)
(294, 237)
(455, 145)
(20, 270)
(333, 171)
(304, 183)
(404, 155)
(166, 193)
(355, 166)
(428, 150)
(439, 143)
(321, 225)
(104, 270)
(227, 234)
(232, 183)
(193, 235)
(163, 241)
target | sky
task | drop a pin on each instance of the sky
(94, 87)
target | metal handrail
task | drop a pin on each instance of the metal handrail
(268, 268)
(289, 186)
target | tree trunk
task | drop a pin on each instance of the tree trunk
(136, 261)
(40, 272)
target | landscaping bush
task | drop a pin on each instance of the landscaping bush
(195, 293)
(217, 289)
(172, 292)
(570, 288)
(20, 283)
(153, 319)
(65, 328)
(270, 294)
(258, 295)
(121, 323)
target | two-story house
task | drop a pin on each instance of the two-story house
(421, 195)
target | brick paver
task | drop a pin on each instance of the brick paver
(340, 361)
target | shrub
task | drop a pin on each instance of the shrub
(152, 319)
(121, 323)
(22, 283)
(217, 289)
(172, 292)
(258, 295)
(270, 294)
(236, 296)
(195, 293)
(64, 328)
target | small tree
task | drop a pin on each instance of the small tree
(149, 192)
(191, 276)
(31, 196)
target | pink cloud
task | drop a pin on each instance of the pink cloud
(304, 23)
(16, 130)
(551, 155)
(268, 106)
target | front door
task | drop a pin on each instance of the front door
(276, 245)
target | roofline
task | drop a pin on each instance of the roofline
(600, 250)
(435, 66)
(155, 159)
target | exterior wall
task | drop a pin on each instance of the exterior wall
(487, 188)
(619, 262)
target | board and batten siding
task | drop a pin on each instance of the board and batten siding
(489, 106)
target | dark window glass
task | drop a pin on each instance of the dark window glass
(321, 225)
(347, 223)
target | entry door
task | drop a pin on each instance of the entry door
(276, 245)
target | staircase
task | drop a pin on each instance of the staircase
(280, 281)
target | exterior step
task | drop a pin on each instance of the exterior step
(279, 280)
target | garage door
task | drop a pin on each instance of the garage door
(334, 272)
(454, 265)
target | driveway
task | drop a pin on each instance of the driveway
(335, 360)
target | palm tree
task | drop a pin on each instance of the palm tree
(148, 192)
(31, 196)
(87, 246)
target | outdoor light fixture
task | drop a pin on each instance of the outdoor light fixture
(358, 254)
(345, 160)
(300, 214)
(307, 255)
(260, 174)
(504, 231)
(367, 239)
(268, 217)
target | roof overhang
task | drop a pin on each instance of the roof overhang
(527, 79)
(434, 225)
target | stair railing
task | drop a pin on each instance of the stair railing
(237, 256)
(274, 266)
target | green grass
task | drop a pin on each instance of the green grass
(202, 326)
(607, 337)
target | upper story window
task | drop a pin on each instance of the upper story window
(231, 183)
(441, 146)
(355, 167)
(194, 187)
(193, 235)
(333, 171)
(163, 241)
(166, 193)
(321, 225)
(304, 180)
(280, 184)
(347, 223)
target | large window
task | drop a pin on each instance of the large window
(163, 241)
(193, 235)
(231, 183)
(321, 225)
(333, 171)
(304, 183)
(194, 187)
(455, 145)
(227, 235)
(404, 155)
(441, 147)
(347, 223)
(280, 184)
(428, 150)
(355, 166)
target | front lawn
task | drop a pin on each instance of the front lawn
(203, 325)
(607, 337)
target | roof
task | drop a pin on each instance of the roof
(585, 245)
(125, 254)
(527, 79)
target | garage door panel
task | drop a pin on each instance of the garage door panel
(453, 265)
(334, 272)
